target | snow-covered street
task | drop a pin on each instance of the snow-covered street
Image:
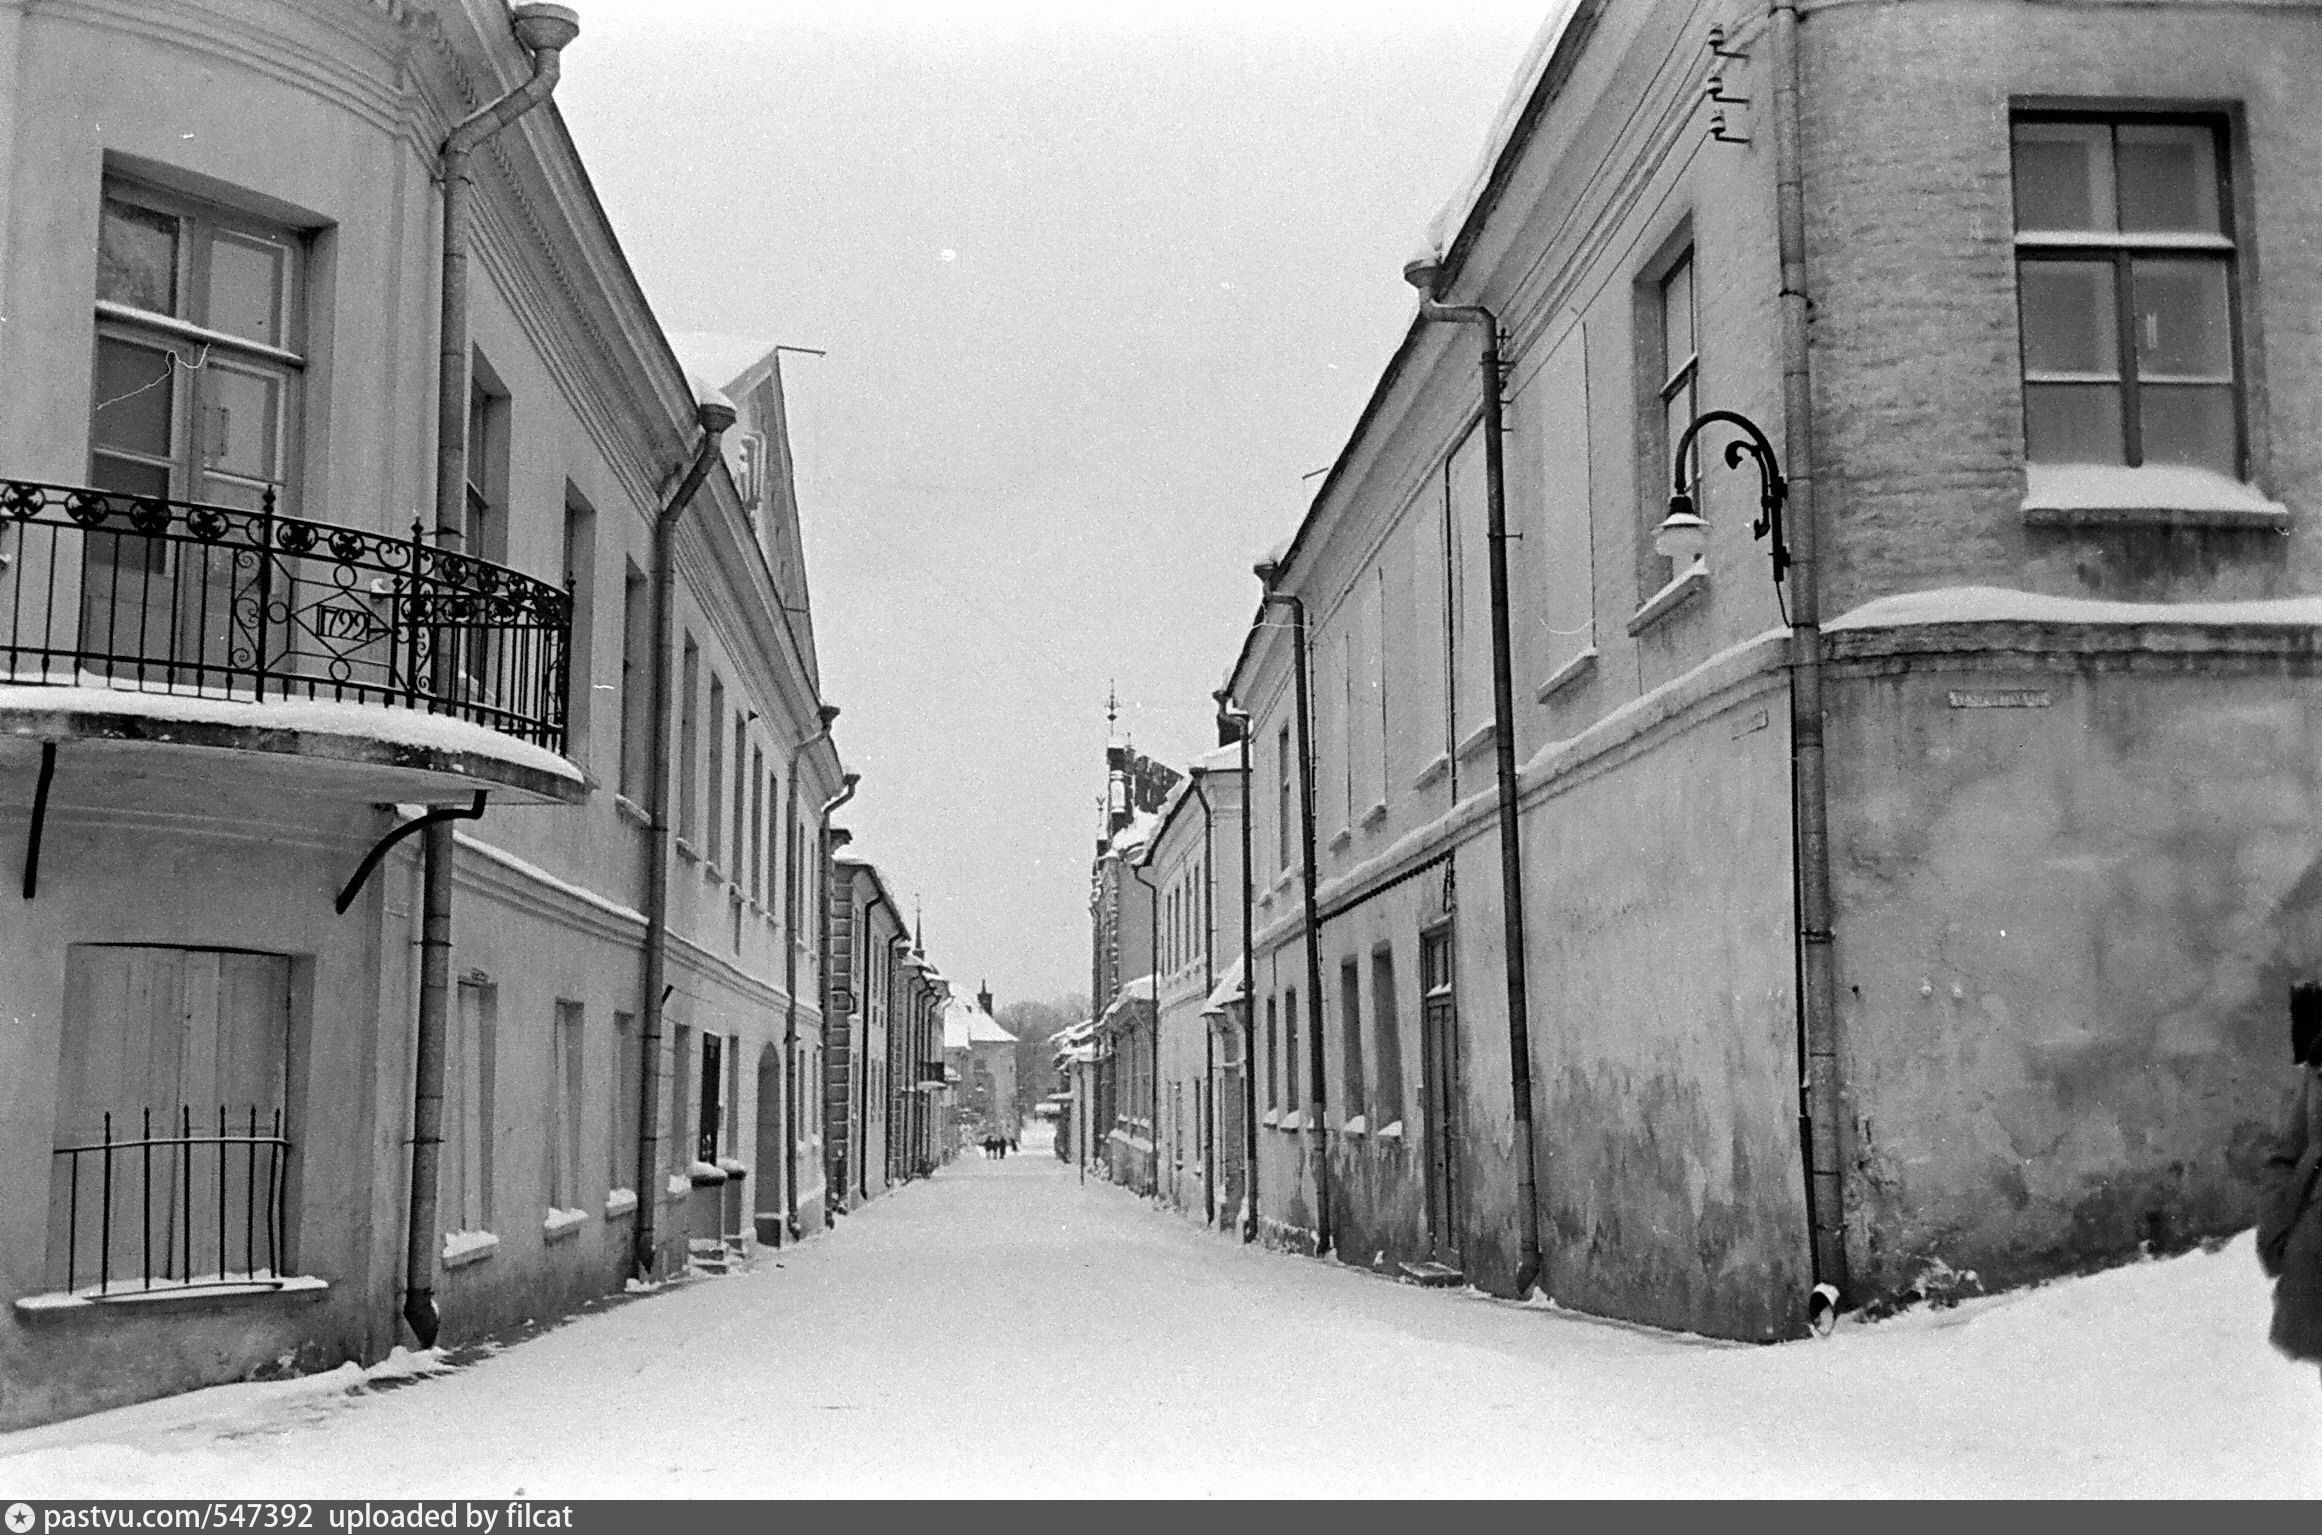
(1005, 1329)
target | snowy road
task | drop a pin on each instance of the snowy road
(1003, 1328)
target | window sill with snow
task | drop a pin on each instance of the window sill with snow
(169, 1296)
(461, 1248)
(2153, 495)
(1683, 588)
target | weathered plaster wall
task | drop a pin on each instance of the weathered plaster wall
(1665, 1024)
(2066, 933)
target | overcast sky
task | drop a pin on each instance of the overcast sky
(1099, 284)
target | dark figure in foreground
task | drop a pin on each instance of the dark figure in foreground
(2289, 1232)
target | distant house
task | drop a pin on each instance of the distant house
(982, 1058)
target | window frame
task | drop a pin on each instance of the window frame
(2118, 249)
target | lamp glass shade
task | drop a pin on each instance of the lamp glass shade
(1682, 536)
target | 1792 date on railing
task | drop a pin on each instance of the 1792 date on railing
(106, 589)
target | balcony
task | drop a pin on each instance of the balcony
(393, 670)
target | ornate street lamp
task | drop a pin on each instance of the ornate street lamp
(1683, 535)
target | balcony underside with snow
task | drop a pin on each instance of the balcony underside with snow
(384, 668)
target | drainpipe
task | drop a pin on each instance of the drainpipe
(847, 782)
(1425, 275)
(715, 417)
(543, 31)
(1153, 1077)
(1208, 985)
(793, 1110)
(1318, 1093)
(1823, 1101)
(1239, 719)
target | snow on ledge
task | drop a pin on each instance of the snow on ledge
(2162, 490)
(465, 1247)
(560, 1223)
(619, 1202)
(1392, 1131)
(326, 717)
(1998, 605)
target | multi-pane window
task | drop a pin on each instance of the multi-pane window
(198, 365)
(621, 1143)
(741, 797)
(485, 529)
(757, 823)
(1680, 371)
(1282, 810)
(689, 740)
(636, 666)
(1290, 1038)
(465, 1182)
(711, 848)
(1273, 1056)
(1386, 1100)
(2125, 282)
(564, 1107)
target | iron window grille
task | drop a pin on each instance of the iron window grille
(245, 1172)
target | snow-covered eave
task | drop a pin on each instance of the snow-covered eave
(455, 752)
(1228, 989)
(2002, 605)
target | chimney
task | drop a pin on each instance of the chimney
(984, 999)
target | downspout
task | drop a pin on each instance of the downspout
(1425, 277)
(1318, 1093)
(847, 782)
(715, 416)
(794, 1110)
(1823, 1095)
(1208, 985)
(1240, 720)
(543, 30)
(1153, 1077)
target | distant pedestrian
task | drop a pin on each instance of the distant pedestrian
(2289, 1233)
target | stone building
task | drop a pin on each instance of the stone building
(1192, 863)
(1993, 823)
(260, 1104)
(981, 1059)
(868, 1000)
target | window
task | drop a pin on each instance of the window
(185, 1046)
(1349, 728)
(1291, 1039)
(689, 740)
(564, 1107)
(621, 1143)
(1673, 338)
(636, 668)
(465, 1181)
(709, 1124)
(580, 584)
(484, 529)
(1467, 514)
(1282, 810)
(1350, 1029)
(2125, 289)
(195, 394)
(1273, 1056)
(741, 796)
(713, 843)
(757, 823)
(773, 833)
(198, 369)
(677, 1146)
(1386, 1099)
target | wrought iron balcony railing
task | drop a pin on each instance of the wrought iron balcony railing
(107, 589)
